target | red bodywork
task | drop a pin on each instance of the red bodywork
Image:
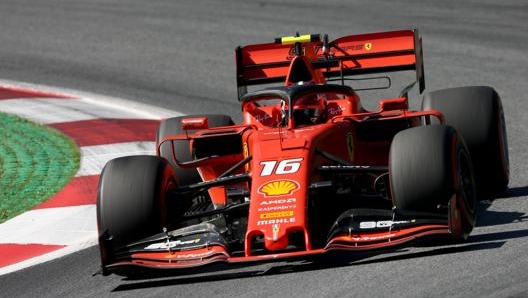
(283, 162)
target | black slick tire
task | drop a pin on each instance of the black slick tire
(131, 201)
(476, 113)
(427, 165)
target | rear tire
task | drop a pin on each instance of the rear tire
(131, 202)
(172, 126)
(427, 165)
(476, 113)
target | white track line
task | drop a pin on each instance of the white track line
(50, 110)
(142, 111)
(47, 226)
(89, 240)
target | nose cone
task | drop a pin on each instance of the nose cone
(278, 192)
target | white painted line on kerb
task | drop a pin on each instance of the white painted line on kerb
(142, 111)
(82, 243)
(57, 110)
(95, 157)
(51, 226)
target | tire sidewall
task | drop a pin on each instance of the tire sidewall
(131, 202)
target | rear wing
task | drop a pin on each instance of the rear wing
(349, 55)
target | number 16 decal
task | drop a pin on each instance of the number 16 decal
(287, 166)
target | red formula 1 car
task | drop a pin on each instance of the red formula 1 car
(309, 170)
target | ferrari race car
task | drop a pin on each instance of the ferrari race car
(309, 170)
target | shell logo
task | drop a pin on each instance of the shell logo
(278, 188)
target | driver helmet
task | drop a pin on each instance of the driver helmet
(311, 109)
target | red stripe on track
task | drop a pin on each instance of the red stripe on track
(109, 131)
(14, 253)
(10, 93)
(79, 191)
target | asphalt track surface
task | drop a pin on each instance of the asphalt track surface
(180, 54)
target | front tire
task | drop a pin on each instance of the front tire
(131, 201)
(427, 165)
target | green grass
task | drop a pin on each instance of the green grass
(36, 162)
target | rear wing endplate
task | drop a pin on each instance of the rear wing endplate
(350, 55)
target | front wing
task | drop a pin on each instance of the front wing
(356, 230)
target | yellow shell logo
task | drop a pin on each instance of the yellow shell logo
(278, 188)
